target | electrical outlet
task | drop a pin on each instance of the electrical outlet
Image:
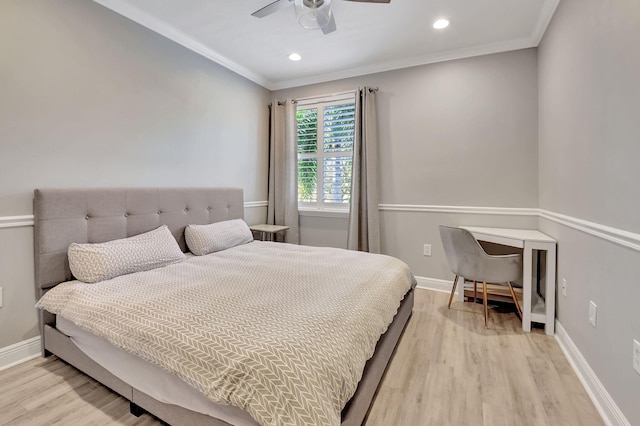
(636, 356)
(427, 250)
(593, 312)
(563, 287)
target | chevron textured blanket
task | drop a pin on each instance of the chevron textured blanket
(279, 330)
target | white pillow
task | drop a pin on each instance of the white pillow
(98, 262)
(205, 239)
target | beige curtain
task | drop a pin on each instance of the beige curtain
(364, 221)
(283, 169)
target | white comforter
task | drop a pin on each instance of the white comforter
(281, 331)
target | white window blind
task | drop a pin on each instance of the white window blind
(325, 153)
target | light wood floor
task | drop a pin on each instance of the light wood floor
(448, 370)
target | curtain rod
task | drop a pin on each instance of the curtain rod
(293, 101)
(348, 92)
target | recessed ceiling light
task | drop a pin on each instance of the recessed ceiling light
(440, 24)
(295, 57)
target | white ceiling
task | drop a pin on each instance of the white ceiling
(369, 38)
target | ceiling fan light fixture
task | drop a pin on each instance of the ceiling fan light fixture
(313, 14)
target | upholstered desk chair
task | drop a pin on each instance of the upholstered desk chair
(467, 259)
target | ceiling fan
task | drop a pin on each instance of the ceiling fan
(311, 14)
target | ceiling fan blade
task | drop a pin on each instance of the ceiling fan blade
(270, 8)
(330, 27)
(372, 1)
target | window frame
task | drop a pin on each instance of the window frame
(320, 207)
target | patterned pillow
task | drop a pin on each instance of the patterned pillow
(205, 239)
(98, 262)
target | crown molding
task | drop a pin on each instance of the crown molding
(548, 9)
(450, 55)
(136, 15)
(533, 40)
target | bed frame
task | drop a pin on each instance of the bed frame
(64, 216)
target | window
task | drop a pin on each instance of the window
(325, 152)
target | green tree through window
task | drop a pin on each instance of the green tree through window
(325, 153)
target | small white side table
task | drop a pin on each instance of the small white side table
(267, 232)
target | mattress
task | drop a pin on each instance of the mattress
(149, 378)
(281, 331)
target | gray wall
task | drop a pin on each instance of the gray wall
(458, 133)
(589, 71)
(88, 98)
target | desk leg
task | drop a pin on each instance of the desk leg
(527, 286)
(550, 291)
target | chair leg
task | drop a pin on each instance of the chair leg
(475, 291)
(486, 307)
(515, 299)
(453, 290)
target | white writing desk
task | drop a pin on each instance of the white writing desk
(534, 309)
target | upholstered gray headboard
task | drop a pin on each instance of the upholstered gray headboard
(65, 216)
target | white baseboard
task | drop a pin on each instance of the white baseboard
(434, 284)
(606, 406)
(19, 352)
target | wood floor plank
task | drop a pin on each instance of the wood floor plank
(447, 370)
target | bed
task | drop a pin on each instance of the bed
(66, 216)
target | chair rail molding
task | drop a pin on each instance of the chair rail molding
(505, 211)
(253, 204)
(27, 220)
(619, 236)
(16, 221)
(615, 235)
